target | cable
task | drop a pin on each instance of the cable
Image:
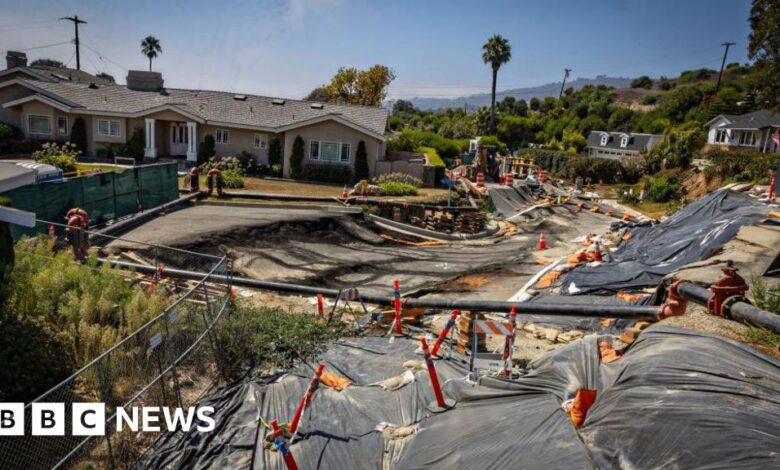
(103, 56)
(43, 47)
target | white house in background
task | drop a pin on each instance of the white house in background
(759, 130)
(619, 145)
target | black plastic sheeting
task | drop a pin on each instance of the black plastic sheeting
(508, 201)
(692, 234)
(676, 399)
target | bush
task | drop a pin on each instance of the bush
(270, 337)
(78, 134)
(493, 141)
(601, 169)
(7, 132)
(649, 99)
(361, 162)
(642, 82)
(296, 159)
(135, 145)
(327, 173)
(742, 165)
(275, 153)
(206, 149)
(662, 189)
(398, 189)
(629, 198)
(247, 162)
(231, 168)
(411, 141)
(63, 157)
(399, 178)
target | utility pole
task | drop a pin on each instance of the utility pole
(76, 22)
(723, 64)
(565, 76)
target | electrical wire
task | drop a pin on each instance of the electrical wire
(45, 46)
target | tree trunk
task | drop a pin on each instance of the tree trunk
(493, 102)
(150, 64)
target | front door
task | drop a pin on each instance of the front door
(179, 138)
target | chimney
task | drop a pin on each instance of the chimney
(15, 59)
(144, 81)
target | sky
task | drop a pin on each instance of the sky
(287, 47)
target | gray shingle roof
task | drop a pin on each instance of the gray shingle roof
(636, 142)
(214, 106)
(61, 74)
(755, 120)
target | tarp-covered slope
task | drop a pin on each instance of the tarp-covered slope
(692, 234)
(676, 399)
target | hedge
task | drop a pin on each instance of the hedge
(325, 173)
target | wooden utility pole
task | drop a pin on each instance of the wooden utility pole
(563, 84)
(76, 22)
(723, 63)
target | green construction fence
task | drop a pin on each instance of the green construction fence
(104, 196)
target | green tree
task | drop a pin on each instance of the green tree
(150, 47)
(296, 158)
(361, 87)
(361, 162)
(403, 106)
(764, 49)
(78, 134)
(206, 149)
(136, 144)
(47, 63)
(535, 104)
(106, 76)
(319, 94)
(495, 52)
(275, 151)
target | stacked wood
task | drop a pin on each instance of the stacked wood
(442, 221)
(465, 325)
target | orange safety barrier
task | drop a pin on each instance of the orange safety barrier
(582, 402)
(333, 380)
(548, 279)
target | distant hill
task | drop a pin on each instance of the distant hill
(542, 91)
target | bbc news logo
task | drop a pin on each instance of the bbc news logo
(89, 419)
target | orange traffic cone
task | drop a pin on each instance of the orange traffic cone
(344, 193)
(542, 244)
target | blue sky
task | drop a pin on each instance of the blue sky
(287, 47)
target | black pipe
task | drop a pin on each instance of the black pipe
(627, 312)
(739, 311)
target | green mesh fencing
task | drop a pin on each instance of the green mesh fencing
(104, 196)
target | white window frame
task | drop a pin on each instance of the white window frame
(30, 129)
(66, 127)
(261, 141)
(744, 141)
(110, 123)
(225, 136)
(317, 156)
(604, 140)
(721, 136)
(624, 141)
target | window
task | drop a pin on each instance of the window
(330, 151)
(109, 128)
(604, 139)
(222, 136)
(261, 140)
(40, 125)
(624, 141)
(62, 125)
(747, 138)
(721, 136)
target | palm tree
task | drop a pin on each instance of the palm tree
(495, 52)
(150, 47)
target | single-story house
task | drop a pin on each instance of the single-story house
(759, 130)
(44, 105)
(619, 145)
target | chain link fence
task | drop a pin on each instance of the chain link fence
(170, 361)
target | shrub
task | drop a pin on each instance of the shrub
(206, 149)
(270, 337)
(276, 169)
(629, 198)
(494, 141)
(642, 82)
(410, 141)
(247, 162)
(327, 173)
(231, 168)
(63, 157)
(78, 134)
(135, 145)
(361, 162)
(601, 169)
(296, 159)
(7, 132)
(742, 165)
(649, 99)
(399, 178)
(6, 255)
(398, 189)
(275, 152)
(662, 189)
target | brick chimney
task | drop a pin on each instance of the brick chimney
(144, 81)
(15, 59)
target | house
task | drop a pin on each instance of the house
(759, 130)
(619, 145)
(175, 121)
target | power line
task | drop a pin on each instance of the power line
(44, 47)
(722, 64)
(103, 56)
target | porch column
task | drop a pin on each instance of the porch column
(150, 151)
(192, 142)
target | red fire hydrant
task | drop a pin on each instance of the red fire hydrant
(730, 285)
(77, 223)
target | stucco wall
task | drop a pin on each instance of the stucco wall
(12, 116)
(238, 140)
(331, 131)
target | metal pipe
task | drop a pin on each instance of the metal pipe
(739, 311)
(627, 312)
